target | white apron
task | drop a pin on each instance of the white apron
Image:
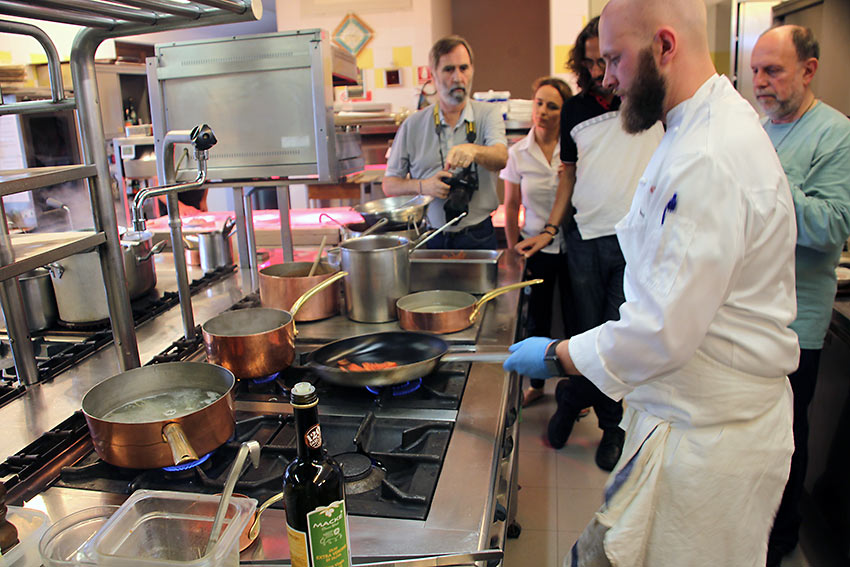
(699, 482)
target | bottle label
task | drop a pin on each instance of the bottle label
(328, 535)
(313, 437)
(297, 547)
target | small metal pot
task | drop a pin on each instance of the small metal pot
(282, 284)
(379, 275)
(215, 250)
(138, 262)
(39, 300)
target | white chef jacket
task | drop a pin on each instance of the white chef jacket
(538, 180)
(702, 346)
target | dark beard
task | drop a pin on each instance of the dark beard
(643, 104)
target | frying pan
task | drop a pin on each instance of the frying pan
(399, 209)
(446, 311)
(416, 354)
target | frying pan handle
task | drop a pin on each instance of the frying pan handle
(436, 232)
(181, 449)
(374, 227)
(310, 293)
(498, 357)
(497, 292)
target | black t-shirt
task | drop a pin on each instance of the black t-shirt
(576, 110)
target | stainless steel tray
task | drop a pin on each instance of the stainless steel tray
(473, 271)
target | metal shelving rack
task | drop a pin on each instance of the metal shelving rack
(21, 253)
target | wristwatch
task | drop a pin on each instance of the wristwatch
(552, 362)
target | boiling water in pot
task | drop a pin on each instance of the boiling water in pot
(164, 405)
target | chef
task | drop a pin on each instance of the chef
(702, 348)
(452, 150)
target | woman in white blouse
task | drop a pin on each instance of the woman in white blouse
(533, 178)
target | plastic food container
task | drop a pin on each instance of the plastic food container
(64, 542)
(155, 527)
(31, 524)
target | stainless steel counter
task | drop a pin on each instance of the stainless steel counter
(464, 502)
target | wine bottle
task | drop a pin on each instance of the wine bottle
(314, 492)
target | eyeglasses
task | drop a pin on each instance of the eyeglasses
(589, 64)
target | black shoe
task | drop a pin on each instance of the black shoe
(560, 427)
(610, 448)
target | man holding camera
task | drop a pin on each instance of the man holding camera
(453, 151)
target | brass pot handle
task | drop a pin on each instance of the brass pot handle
(310, 293)
(181, 449)
(493, 293)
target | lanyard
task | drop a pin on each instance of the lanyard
(438, 128)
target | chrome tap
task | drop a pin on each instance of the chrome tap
(202, 138)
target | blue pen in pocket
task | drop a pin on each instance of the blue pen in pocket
(671, 206)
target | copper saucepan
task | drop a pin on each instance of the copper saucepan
(446, 311)
(254, 343)
(282, 284)
(150, 417)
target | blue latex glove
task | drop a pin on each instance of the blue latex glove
(527, 357)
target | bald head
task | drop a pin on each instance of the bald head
(688, 17)
(668, 38)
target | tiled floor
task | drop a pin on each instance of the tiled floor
(561, 489)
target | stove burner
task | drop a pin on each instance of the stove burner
(187, 466)
(361, 474)
(266, 379)
(398, 390)
(354, 465)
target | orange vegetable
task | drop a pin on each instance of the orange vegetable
(364, 366)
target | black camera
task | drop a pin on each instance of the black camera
(461, 187)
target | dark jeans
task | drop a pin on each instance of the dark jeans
(549, 268)
(786, 525)
(481, 236)
(595, 269)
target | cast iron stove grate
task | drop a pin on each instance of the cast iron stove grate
(403, 459)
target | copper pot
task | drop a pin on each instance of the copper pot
(446, 311)
(254, 343)
(282, 284)
(156, 440)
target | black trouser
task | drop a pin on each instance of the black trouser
(595, 268)
(786, 525)
(549, 268)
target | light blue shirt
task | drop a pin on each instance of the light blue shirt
(416, 151)
(815, 154)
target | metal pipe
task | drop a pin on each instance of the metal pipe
(175, 224)
(100, 9)
(13, 311)
(37, 106)
(180, 10)
(285, 227)
(54, 68)
(252, 244)
(234, 6)
(103, 209)
(27, 11)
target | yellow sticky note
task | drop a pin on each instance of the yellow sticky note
(38, 58)
(379, 79)
(5, 57)
(559, 61)
(403, 56)
(366, 59)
